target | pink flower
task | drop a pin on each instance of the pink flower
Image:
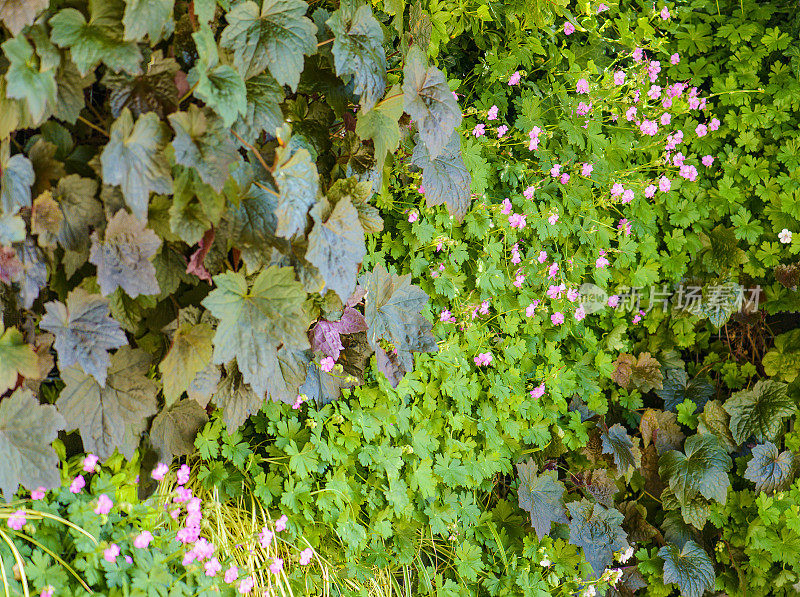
(89, 463)
(104, 505)
(617, 189)
(613, 301)
(483, 358)
(203, 549)
(580, 313)
(569, 28)
(246, 585)
(231, 574)
(542, 256)
(654, 92)
(601, 8)
(602, 262)
(637, 54)
(528, 192)
(298, 402)
(665, 119)
(586, 170)
(519, 280)
(572, 295)
(636, 319)
(265, 537)
(280, 524)
(492, 113)
(666, 103)
(650, 191)
(111, 552)
(142, 540)
(625, 226)
(514, 79)
(688, 172)
(583, 108)
(517, 221)
(555, 170)
(48, 591)
(183, 474)
(506, 208)
(276, 566)
(675, 58)
(485, 307)
(555, 290)
(160, 471)
(707, 160)
(564, 178)
(630, 113)
(77, 484)
(649, 127)
(664, 184)
(501, 130)
(531, 309)
(421, 190)
(479, 130)
(538, 391)
(212, 567)
(582, 86)
(664, 13)
(627, 196)
(17, 520)
(701, 130)
(557, 318)
(619, 77)
(305, 556)
(713, 125)
(552, 271)
(552, 219)
(327, 364)
(413, 217)
(38, 493)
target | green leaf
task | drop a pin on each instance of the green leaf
(677, 387)
(783, 360)
(759, 412)
(359, 193)
(715, 420)
(16, 179)
(34, 272)
(17, 14)
(264, 97)
(469, 560)
(112, 416)
(702, 469)
(70, 99)
(276, 37)
(27, 429)
(542, 496)
(175, 428)
(236, 399)
(690, 568)
(124, 259)
(251, 226)
(189, 354)
(393, 312)
(598, 531)
(429, 102)
(298, 184)
(146, 17)
(255, 320)
(202, 143)
(84, 332)
(153, 90)
(134, 159)
(445, 178)
(381, 124)
(195, 207)
(222, 89)
(99, 39)
(661, 428)
(27, 79)
(769, 470)
(16, 358)
(358, 50)
(617, 442)
(336, 245)
(79, 209)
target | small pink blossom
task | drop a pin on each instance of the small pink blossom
(675, 58)
(665, 119)
(104, 505)
(38, 493)
(555, 171)
(519, 280)
(602, 262)
(552, 219)
(538, 391)
(613, 301)
(479, 130)
(413, 217)
(305, 556)
(650, 191)
(231, 574)
(654, 92)
(701, 130)
(298, 402)
(688, 172)
(569, 28)
(557, 318)
(421, 190)
(111, 552)
(619, 77)
(276, 566)
(530, 310)
(246, 585)
(707, 160)
(17, 520)
(517, 221)
(90, 463)
(648, 127)
(265, 537)
(617, 189)
(637, 54)
(564, 178)
(627, 196)
(528, 192)
(514, 79)
(664, 184)
(713, 124)
(552, 271)
(572, 295)
(601, 8)
(582, 86)
(501, 130)
(183, 474)
(327, 364)
(212, 567)
(625, 226)
(280, 524)
(586, 169)
(142, 540)
(542, 256)
(77, 484)
(483, 358)
(492, 113)
(583, 108)
(484, 307)
(506, 207)
(630, 113)
(48, 591)
(580, 313)
(160, 471)
(664, 14)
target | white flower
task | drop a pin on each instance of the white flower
(785, 236)
(589, 591)
(616, 576)
(626, 555)
(545, 563)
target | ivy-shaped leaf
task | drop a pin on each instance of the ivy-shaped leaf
(298, 183)
(28, 79)
(124, 258)
(16, 179)
(359, 193)
(34, 272)
(80, 211)
(643, 373)
(542, 496)
(783, 361)
(146, 17)
(17, 14)
(690, 568)
(715, 420)
(134, 159)
(618, 443)
(16, 358)
(358, 50)
(84, 332)
(174, 429)
(694, 512)
(277, 36)
(759, 412)
(598, 531)
(195, 207)
(599, 485)
(254, 320)
(445, 178)
(769, 470)
(99, 39)
(113, 416)
(635, 523)
(189, 354)
(324, 387)
(27, 429)
(381, 124)
(236, 398)
(677, 388)
(336, 245)
(662, 429)
(263, 113)
(152, 91)
(429, 102)
(703, 469)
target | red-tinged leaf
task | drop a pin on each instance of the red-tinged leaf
(196, 266)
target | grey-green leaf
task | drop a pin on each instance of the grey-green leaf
(174, 429)
(16, 178)
(429, 102)
(124, 258)
(598, 530)
(678, 387)
(445, 178)
(542, 496)
(690, 568)
(703, 469)
(617, 442)
(769, 470)
(759, 412)
(298, 183)
(264, 97)
(134, 159)
(358, 50)
(147, 17)
(84, 332)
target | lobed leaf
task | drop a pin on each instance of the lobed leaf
(759, 412)
(690, 568)
(769, 470)
(542, 496)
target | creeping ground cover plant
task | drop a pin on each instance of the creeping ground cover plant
(436, 298)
